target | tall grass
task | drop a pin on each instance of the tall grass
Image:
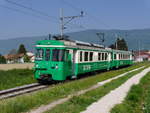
(26, 102)
(137, 100)
(15, 77)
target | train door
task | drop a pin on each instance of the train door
(68, 63)
(109, 60)
(74, 67)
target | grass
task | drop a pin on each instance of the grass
(15, 77)
(80, 103)
(26, 102)
(137, 100)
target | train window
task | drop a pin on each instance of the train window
(39, 54)
(103, 57)
(99, 56)
(47, 55)
(91, 56)
(67, 55)
(86, 56)
(106, 56)
(80, 56)
(119, 56)
(58, 55)
(115, 57)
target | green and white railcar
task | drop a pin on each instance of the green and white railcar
(59, 59)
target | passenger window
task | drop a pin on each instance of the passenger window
(106, 56)
(103, 56)
(114, 56)
(91, 56)
(99, 56)
(47, 55)
(80, 56)
(86, 56)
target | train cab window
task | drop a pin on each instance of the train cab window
(47, 55)
(86, 56)
(39, 54)
(58, 55)
(91, 56)
(80, 56)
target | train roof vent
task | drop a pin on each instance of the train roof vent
(64, 37)
(97, 45)
(82, 43)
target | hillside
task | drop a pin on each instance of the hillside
(133, 37)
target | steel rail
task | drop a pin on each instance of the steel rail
(21, 90)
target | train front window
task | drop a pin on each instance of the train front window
(47, 55)
(58, 55)
(39, 54)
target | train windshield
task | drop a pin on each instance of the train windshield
(39, 54)
(58, 55)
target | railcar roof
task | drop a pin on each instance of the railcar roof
(73, 44)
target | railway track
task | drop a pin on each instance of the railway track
(21, 90)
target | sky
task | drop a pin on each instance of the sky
(16, 21)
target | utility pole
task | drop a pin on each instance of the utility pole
(139, 50)
(63, 23)
(116, 41)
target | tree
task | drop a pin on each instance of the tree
(120, 44)
(112, 46)
(26, 58)
(22, 49)
(2, 59)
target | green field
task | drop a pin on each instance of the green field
(27, 102)
(80, 103)
(137, 100)
(15, 77)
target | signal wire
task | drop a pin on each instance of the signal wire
(23, 12)
(95, 19)
(33, 10)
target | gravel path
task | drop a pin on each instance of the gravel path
(116, 96)
(16, 66)
(44, 108)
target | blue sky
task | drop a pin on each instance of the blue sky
(99, 14)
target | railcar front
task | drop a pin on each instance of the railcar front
(52, 61)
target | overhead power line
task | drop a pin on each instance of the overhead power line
(23, 12)
(33, 10)
(94, 18)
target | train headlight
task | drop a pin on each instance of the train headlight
(36, 65)
(56, 67)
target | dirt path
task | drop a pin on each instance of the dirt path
(116, 96)
(44, 108)
(16, 66)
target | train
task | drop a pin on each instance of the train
(60, 59)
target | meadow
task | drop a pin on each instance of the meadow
(27, 102)
(15, 77)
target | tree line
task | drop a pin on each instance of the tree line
(21, 50)
(120, 44)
